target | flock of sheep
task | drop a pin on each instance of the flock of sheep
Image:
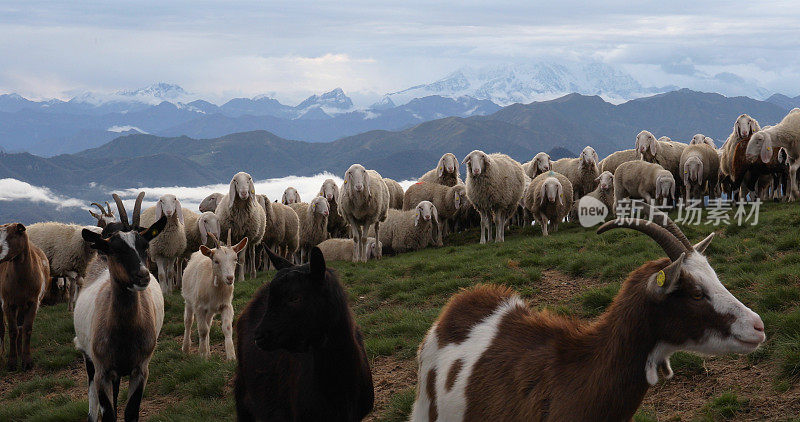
(364, 218)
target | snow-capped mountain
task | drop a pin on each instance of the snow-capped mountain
(332, 101)
(523, 83)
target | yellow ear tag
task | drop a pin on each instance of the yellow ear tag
(252, 191)
(155, 232)
(345, 182)
(660, 277)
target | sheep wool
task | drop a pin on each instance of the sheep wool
(548, 198)
(494, 186)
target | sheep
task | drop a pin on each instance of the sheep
(494, 187)
(106, 215)
(337, 226)
(282, 228)
(411, 230)
(118, 318)
(743, 128)
(290, 196)
(766, 143)
(363, 201)
(313, 219)
(549, 199)
(700, 169)
(604, 192)
(342, 249)
(540, 163)
(643, 180)
(446, 172)
(491, 357)
(448, 200)
(208, 290)
(613, 161)
(210, 202)
(582, 172)
(702, 139)
(24, 273)
(66, 251)
(239, 211)
(395, 193)
(171, 244)
(666, 153)
(301, 360)
(208, 224)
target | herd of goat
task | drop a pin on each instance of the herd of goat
(299, 353)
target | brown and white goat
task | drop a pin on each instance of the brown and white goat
(24, 275)
(490, 358)
(118, 317)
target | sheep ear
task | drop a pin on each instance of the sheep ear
(367, 183)
(231, 194)
(317, 264)
(466, 160)
(278, 261)
(153, 231)
(206, 251)
(201, 225)
(560, 194)
(542, 194)
(701, 246)
(179, 210)
(252, 187)
(241, 245)
(416, 217)
(159, 209)
(766, 149)
(95, 240)
(440, 169)
(753, 126)
(736, 128)
(653, 147)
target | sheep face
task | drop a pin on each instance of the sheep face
(329, 190)
(589, 157)
(646, 146)
(542, 163)
(476, 161)
(605, 180)
(745, 126)
(356, 178)
(208, 224)
(552, 191)
(241, 187)
(693, 170)
(290, 196)
(425, 211)
(168, 205)
(448, 164)
(320, 206)
(126, 253)
(12, 241)
(210, 202)
(223, 261)
(665, 185)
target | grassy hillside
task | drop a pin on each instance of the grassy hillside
(575, 272)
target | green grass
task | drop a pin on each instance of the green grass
(395, 300)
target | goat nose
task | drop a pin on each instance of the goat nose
(143, 272)
(758, 324)
(230, 279)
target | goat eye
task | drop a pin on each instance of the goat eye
(294, 300)
(698, 295)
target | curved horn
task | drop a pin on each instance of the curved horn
(664, 238)
(663, 220)
(110, 213)
(137, 209)
(229, 237)
(123, 215)
(213, 236)
(102, 210)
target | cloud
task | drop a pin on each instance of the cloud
(16, 190)
(125, 128)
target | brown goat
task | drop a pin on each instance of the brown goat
(24, 272)
(490, 358)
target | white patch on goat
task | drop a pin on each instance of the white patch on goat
(452, 404)
(3, 244)
(659, 354)
(129, 238)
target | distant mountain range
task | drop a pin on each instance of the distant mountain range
(562, 126)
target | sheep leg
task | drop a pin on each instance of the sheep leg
(203, 327)
(499, 226)
(544, 223)
(227, 331)
(794, 194)
(303, 255)
(2, 330)
(484, 223)
(135, 390)
(252, 249)
(162, 275)
(188, 321)
(357, 234)
(378, 252)
(555, 226)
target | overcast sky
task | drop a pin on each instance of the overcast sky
(223, 49)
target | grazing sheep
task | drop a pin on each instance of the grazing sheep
(313, 224)
(766, 143)
(448, 200)
(491, 357)
(700, 169)
(239, 211)
(363, 202)
(210, 202)
(301, 354)
(208, 224)
(24, 273)
(337, 226)
(582, 172)
(290, 196)
(342, 249)
(702, 139)
(171, 244)
(665, 153)
(613, 161)
(445, 173)
(549, 199)
(106, 215)
(405, 231)
(66, 251)
(604, 192)
(118, 318)
(494, 187)
(540, 163)
(643, 180)
(208, 290)
(395, 193)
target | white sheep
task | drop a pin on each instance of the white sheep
(613, 161)
(700, 169)
(208, 224)
(364, 202)
(210, 202)
(785, 134)
(666, 153)
(342, 249)
(239, 211)
(541, 163)
(494, 187)
(282, 229)
(411, 230)
(743, 128)
(313, 224)
(395, 193)
(548, 198)
(642, 180)
(582, 172)
(446, 172)
(604, 192)
(702, 139)
(208, 290)
(66, 251)
(290, 196)
(447, 199)
(171, 243)
(337, 226)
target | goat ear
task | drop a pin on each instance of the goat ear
(241, 245)
(179, 210)
(317, 264)
(206, 251)
(95, 240)
(701, 246)
(153, 231)
(665, 281)
(232, 194)
(278, 261)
